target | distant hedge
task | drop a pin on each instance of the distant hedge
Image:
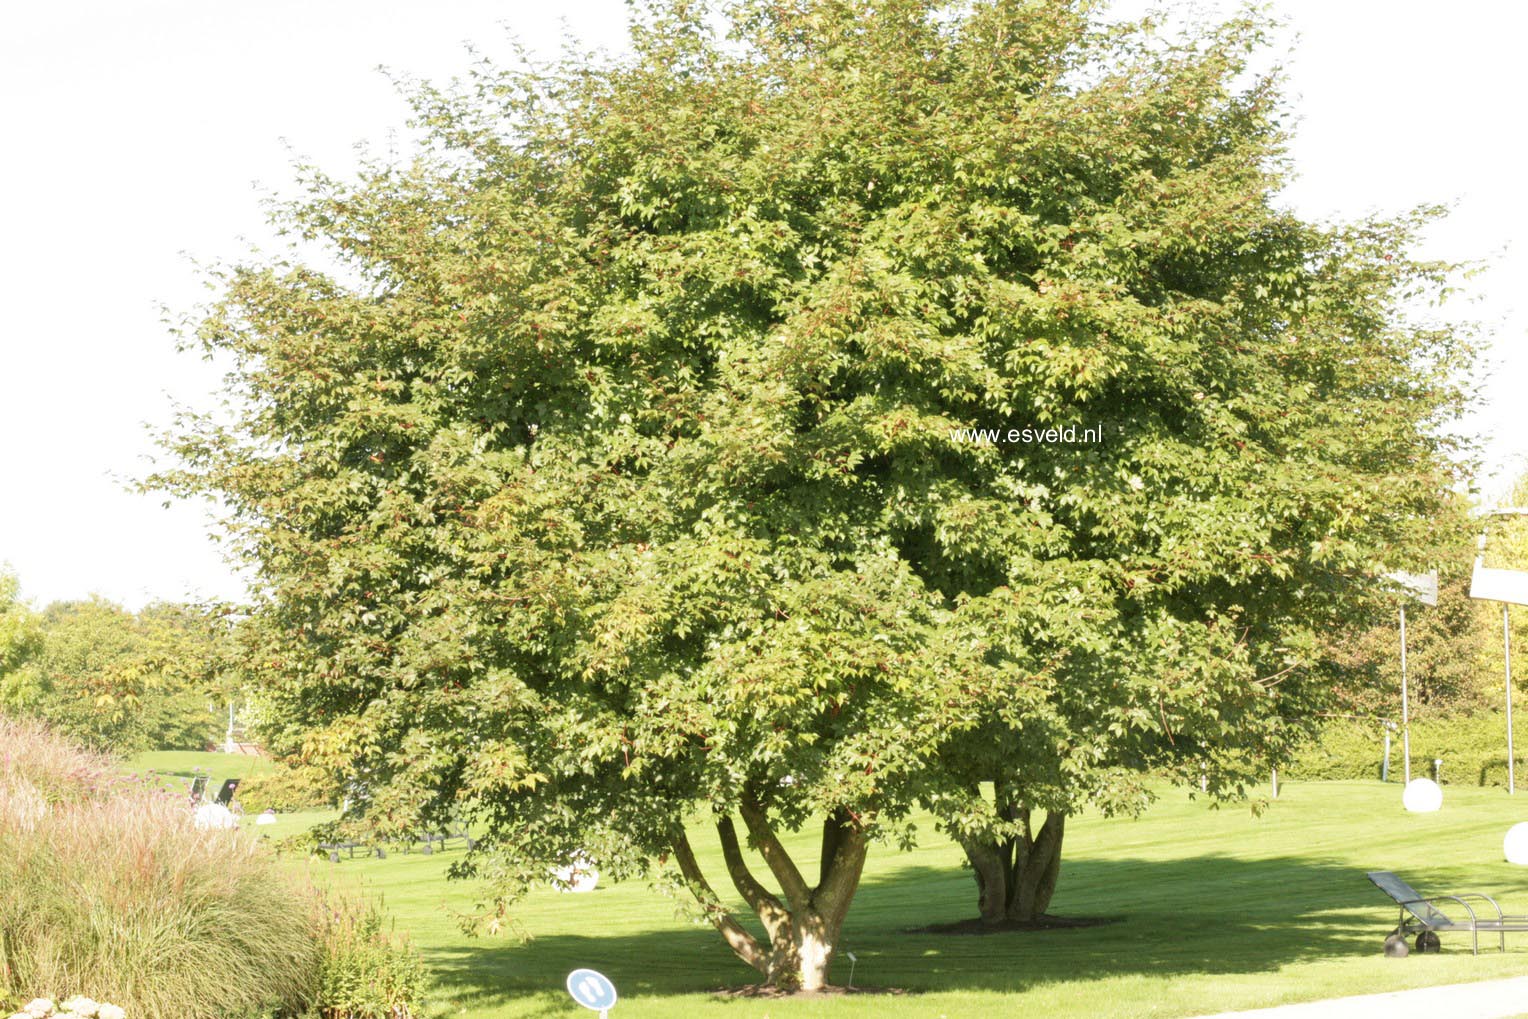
(1473, 749)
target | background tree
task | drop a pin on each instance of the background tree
(610, 461)
(1506, 548)
(125, 682)
(1446, 643)
(20, 641)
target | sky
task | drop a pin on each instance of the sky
(141, 134)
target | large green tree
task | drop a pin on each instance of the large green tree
(612, 458)
(124, 681)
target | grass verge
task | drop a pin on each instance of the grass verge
(1220, 910)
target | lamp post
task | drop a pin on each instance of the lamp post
(1510, 587)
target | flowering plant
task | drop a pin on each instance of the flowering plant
(77, 1007)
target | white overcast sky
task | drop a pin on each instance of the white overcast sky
(134, 130)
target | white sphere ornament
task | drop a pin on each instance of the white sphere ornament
(1515, 845)
(1422, 796)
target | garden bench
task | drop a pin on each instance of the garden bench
(351, 848)
(1420, 916)
(428, 840)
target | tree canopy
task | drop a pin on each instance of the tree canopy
(113, 679)
(612, 460)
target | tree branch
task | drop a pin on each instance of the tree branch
(780, 864)
(743, 944)
(833, 895)
(769, 908)
(1050, 832)
(832, 833)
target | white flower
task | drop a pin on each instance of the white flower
(111, 1012)
(38, 1008)
(81, 1005)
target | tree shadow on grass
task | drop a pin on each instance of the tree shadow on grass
(1200, 915)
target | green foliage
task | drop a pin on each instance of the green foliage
(1473, 749)
(367, 972)
(307, 841)
(1506, 548)
(1447, 644)
(106, 885)
(127, 682)
(20, 642)
(615, 461)
(289, 789)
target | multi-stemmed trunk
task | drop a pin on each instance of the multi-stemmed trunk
(1016, 876)
(802, 925)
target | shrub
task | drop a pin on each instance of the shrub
(106, 885)
(1473, 749)
(366, 972)
(299, 788)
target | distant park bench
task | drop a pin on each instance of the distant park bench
(428, 841)
(426, 844)
(350, 849)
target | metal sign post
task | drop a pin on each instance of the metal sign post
(1510, 587)
(1405, 704)
(1384, 764)
(1506, 654)
(1424, 588)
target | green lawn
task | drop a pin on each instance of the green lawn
(177, 767)
(1219, 910)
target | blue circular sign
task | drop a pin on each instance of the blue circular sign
(591, 989)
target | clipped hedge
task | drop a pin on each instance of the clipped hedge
(1473, 749)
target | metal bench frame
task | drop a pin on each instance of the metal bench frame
(1425, 916)
(334, 848)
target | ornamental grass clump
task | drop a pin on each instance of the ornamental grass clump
(106, 884)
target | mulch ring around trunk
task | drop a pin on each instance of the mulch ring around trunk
(766, 991)
(976, 925)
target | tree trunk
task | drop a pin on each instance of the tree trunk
(802, 925)
(1016, 877)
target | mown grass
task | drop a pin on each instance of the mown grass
(177, 767)
(1218, 910)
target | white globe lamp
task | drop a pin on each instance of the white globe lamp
(1422, 796)
(1515, 845)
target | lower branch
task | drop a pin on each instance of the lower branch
(743, 944)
